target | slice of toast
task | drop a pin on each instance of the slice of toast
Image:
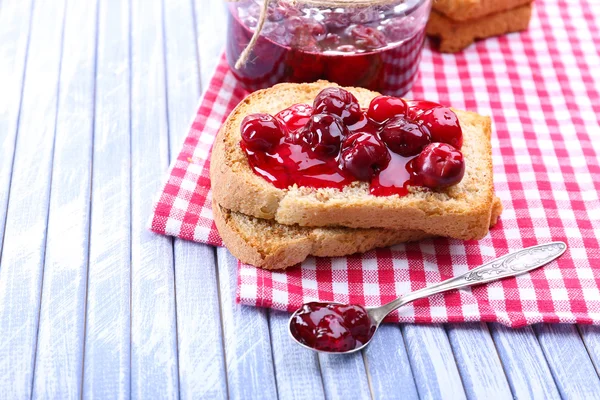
(267, 244)
(464, 10)
(456, 35)
(462, 211)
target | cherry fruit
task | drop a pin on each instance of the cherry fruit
(404, 137)
(340, 102)
(261, 132)
(438, 166)
(295, 117)
(368, 38)
(363, 155)
(417, 107)
(443, 126)
(382, 108)
(324, 134)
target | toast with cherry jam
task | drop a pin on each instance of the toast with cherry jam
(318, 155)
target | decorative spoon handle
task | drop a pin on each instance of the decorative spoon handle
(511, 264)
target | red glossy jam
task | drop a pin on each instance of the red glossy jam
(332, 327)
(351, 50)
(314, 147)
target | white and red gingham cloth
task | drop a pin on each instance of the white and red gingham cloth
(542, 88)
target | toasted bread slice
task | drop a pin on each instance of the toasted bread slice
(462, 211)
(469, 10)
(267, 244)
(456, 35)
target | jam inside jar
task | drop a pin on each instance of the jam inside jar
(376, 47)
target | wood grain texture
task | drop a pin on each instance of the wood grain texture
(154, 361)
(59, 358)
(211, 28)
(569, 361)
(433, 365)
(201, 358)
(21, 265)
(106, 372)
(591, 338)
(14, 38)
(344, 376)
(297, 369)
(250, 373)
(478, 361)
(388, 366)
(524, 364)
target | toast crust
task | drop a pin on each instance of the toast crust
(266, 244)
(455, 36)
(463, 10)
(462, 211)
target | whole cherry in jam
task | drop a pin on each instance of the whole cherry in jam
(261, 132)
(331, 327)
(367, 38)
(439, 165)
(417, 107)
(364, 155)
(404, 137)
(443, 126)
(295, 117)
(340, 102)
(382, 108)
(324, 134)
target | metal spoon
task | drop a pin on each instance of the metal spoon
(511, 264)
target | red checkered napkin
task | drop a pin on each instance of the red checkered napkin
(545, 102)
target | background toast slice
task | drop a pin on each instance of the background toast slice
(456, 35)
(464, 10)
(462, 211)
(267, 244)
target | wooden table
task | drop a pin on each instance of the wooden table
(95, 99)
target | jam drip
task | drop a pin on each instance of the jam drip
(332, 327)
(392, 145)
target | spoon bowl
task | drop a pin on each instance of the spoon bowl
(337, 328)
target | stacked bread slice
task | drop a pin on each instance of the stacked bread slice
(458, 23)
(276, 228)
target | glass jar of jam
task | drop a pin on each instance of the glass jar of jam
(376, 46)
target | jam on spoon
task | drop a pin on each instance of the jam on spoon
(332, 327)
(346, 328)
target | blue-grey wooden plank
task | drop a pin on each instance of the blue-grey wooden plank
(199, 333)
(182, 66)
(569, 361)
(154, 370)
(15, 20)
(106, 372)
(21, 265)
(297, 369)
(344, 376)
(388, 366)
(477, 360)
(59, 357)
(201, 355)
(591, 338)
(432, 362)
(524, 364)
(211, 28)
(248, 353)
